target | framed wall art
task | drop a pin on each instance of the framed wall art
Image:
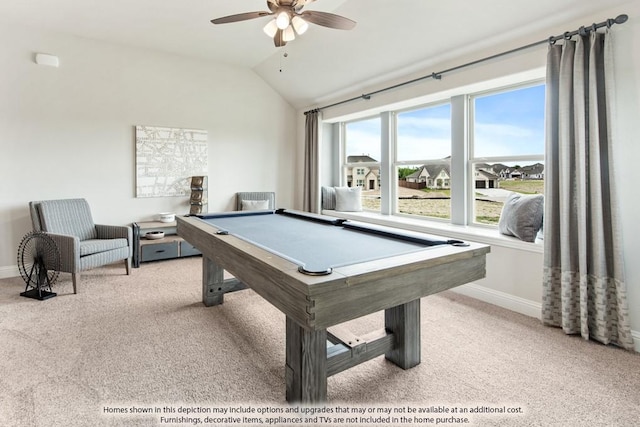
(167, 158)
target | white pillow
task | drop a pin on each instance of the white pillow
(254, 205)
(348, 199)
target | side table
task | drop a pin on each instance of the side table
(170, 246)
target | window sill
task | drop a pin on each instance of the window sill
(488, 236)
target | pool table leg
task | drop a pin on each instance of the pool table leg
(212, 279)
(214, 285)
(306, 364)
(404, 321)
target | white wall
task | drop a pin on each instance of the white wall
(69, 131)
(514, 274)
(627, 152)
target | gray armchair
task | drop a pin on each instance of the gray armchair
(255, 200)
(83, 245)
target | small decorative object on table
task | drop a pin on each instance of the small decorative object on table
(198, 199)
(166, 217)
(154, 235)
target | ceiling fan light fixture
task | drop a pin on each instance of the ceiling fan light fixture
(299, 24)
(287, 20)
(271, 28)
(288, 34)
(283, 20)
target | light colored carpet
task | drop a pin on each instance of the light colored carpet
(146, 340)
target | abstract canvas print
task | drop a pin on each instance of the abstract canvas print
(166, 159)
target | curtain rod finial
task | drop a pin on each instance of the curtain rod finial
(621, 19)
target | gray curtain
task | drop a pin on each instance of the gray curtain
(311, 159)
(584, 288)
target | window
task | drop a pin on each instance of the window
(361, 168)
(423, 161)
(454, 160)
(507, 152)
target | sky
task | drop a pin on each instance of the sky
(505, 124)
(510, 123)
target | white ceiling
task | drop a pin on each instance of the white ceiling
(391, 36)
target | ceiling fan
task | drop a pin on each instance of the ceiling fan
(289, 19)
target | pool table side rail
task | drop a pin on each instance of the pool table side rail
(398, 288)
(351, 291)
(275, 279)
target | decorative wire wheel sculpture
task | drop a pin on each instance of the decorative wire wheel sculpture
(39, 264)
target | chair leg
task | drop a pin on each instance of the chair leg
(75, 277)
(127, 264)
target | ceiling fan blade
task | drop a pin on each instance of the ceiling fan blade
(278, 39)
(239, 17)
(328, 20)
(272, 5)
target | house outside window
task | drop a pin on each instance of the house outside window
(506, 147)
(422, 165)
(361, 165)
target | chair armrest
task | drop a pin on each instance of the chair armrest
(114, 232)
(69, 248)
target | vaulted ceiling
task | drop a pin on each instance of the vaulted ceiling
(390, 35)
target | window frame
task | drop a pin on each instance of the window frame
(396, 163)
(462, 183)
(472, 160)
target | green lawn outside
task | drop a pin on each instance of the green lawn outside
(437, 203)
(532, 186)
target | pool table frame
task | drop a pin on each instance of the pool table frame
(314, 305)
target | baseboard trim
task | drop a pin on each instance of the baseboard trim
(501, 299)
(636, 340)
(517, 304)
(9, 271)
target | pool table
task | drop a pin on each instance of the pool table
(322, 271)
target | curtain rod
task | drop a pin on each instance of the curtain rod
(620, 19)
